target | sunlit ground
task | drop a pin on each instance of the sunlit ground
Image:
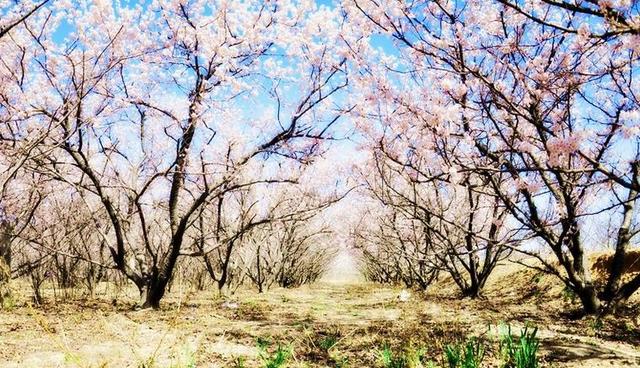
(336, 323)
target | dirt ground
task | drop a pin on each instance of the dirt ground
(324, 325)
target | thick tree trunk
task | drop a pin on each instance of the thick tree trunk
(589, 298)
(5, 261)
(222, 281)
(627, 290)
(473, 291)
(5, 246)
(153, 292)
(152, 288)
(224, 275)
(153, 297)
(578, 271)
(622, 243)
(580, 283)
(584, 288)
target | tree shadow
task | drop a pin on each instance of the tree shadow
(561, 351)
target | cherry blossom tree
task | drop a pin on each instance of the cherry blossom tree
(607, 31)
(150, 118)
(534, 101)
(17, 200)
(394, 249)
(435, 221)
(265, 232)
(63, 240)
(294, 251)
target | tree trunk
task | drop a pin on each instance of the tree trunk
(152, 298)
(223, 279)
(259, 269)
(622, 243)
(5, 261)
(627, 290)
(5, 245)
(473, 291)
(224, 275)
(153, 292)
(589, 299)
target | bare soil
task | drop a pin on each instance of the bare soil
(201, 329)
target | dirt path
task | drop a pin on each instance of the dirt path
(198, 330)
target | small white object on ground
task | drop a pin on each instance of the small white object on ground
(230, 305)
(404, 296)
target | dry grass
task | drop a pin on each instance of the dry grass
(602, 262)
(326, 325)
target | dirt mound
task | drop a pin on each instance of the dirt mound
(530, 283)
(601, 264)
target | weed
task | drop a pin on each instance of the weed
(188, 360)
(569, 295)
(238, 362)
(628, 327)
(71, 358)
(409, 358)
(278, 359)
(327, 342)
(596, 325)
(7, 301)
(453, 355)
(341, 362)
(250, 311)
(390, 360)
(147, 363)
(469, 355)
(521, 353)
(537, 278)
(263, 342)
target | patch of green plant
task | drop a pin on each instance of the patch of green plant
(537, 278)
(263, 342)
(628, 327)
(8, 302)
(596, 324)
(341, 362)
(276, 359)
(238, 362)
(251, 310)
(391, 360)
(520, 353)
(148, 363)
(409, 358)
(328, 341)
(468, 355)
(569, 295)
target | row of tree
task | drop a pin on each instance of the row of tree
(135, 136)
(488, 127)
(287, 244)
(499, 126)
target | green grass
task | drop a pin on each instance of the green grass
(469, 355)
(327, 342)
(238, 362)
(277, 359)
(521, 352)
(409, 358)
